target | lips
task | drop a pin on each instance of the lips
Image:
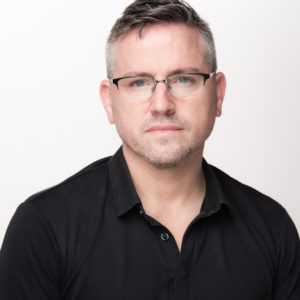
(163, 127)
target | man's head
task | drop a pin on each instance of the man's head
(162, 123)
(141, 14)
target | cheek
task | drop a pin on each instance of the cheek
(202, 118)
(122, 122)
(127, 118)
(204, 112)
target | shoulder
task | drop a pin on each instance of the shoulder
(258, 215)
(70, 211)
(250, 204)
(72, 208)
(77, 190)
(265, 227)
(60, 223)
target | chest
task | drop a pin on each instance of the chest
(142, 258)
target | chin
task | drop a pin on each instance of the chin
(163, 158)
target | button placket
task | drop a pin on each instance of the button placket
(166, 241)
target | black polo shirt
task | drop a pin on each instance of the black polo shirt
(88, 238)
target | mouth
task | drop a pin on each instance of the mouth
(164, 128)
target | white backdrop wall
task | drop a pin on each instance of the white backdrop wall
(52, 123)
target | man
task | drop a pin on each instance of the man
(155, 221)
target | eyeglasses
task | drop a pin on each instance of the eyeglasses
(179, 85)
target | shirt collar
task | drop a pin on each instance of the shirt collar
(124, 193)
(214, 195)
(126, 197)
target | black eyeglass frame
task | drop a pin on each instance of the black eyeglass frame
(204, 75)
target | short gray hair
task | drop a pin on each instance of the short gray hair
(144, 13)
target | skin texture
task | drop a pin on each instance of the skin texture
(160, 51)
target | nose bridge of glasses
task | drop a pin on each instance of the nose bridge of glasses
(165, 81)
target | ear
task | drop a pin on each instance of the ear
(105, 95)
(220, 90)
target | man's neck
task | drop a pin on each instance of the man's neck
(170, 188)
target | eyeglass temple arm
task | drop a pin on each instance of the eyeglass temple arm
(207, 76)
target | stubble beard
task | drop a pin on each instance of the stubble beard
(164, 159)
(163, 155)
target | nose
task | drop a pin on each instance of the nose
(161, 101)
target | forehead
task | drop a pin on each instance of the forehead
(161, 49)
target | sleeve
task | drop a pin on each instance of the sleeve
(30, 258)
(287, 284)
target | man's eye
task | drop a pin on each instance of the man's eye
(184, 80)
(138, 83)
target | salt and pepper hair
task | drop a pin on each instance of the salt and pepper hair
(144, 13)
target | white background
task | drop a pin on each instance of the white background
(52, 123)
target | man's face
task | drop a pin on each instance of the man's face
(163, 129)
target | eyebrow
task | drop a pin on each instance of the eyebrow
(142, 74)
(174, 72)
(185, 70)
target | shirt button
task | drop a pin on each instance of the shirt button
(164, 236)
(140, 210)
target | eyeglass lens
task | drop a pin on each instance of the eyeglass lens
(182, 85)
